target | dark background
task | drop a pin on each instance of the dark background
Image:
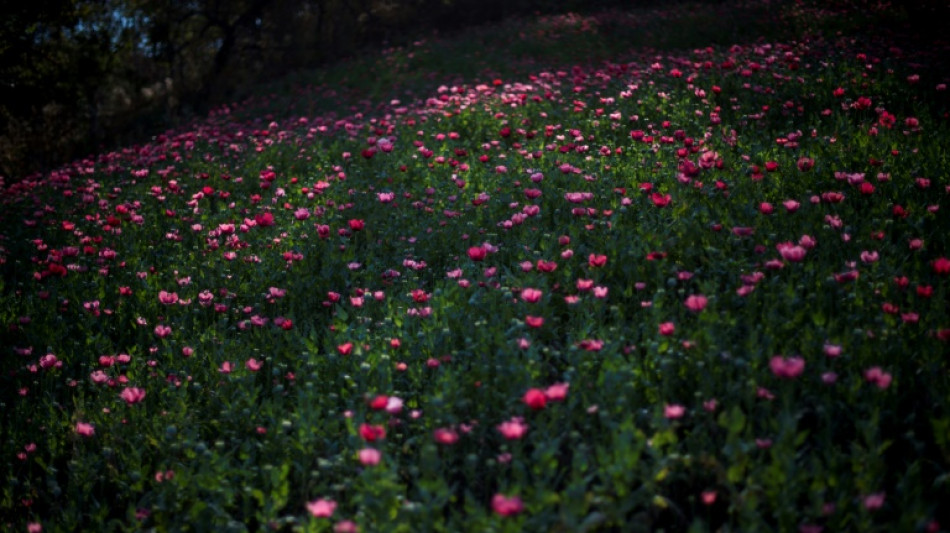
(80, 76)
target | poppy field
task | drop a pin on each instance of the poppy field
(685, 288)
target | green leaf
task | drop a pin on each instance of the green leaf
(736, 473)
(733, 420)
(941, 427)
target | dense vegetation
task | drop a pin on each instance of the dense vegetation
(80, 74)
(459, 285)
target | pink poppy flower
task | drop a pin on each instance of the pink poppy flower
(844, 277)
(591, 345)
(673, 411)
(85, 430)
(557, 392)
(788, 368)
(370, 456)
(534, 321)
(419, 296)
(132, 395)
(807, 242)
(167, 298)
(790, 252)
(513, 429)
(446, 436)
(50, 361)
(506, 506)
(878, 377)
(873, 502)
(393, 405)
(695, 302)
(531, 295)
(321, 508)
(832, 350)
(869, 256)
(346, 526)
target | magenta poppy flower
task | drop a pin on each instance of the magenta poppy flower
(791, 252)
(446, 436)
(878, 377)
(535, 399)
(873, 502)
(264, 219)
(372, 433)
(477, 253)
(595, 260)
(660, 200)
(788, 368)
(506, 506)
